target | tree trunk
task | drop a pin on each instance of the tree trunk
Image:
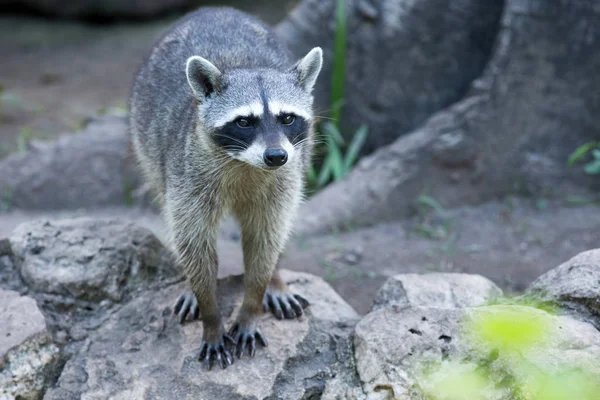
(538, 99)
(406, 59)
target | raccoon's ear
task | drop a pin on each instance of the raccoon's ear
(308, 68)
(202, 76)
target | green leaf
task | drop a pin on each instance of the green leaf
(337, 164)
(331, 130)
(358, 140)
(311, 174)
(431, 202)
(325, 173)
(593, 168)
(581, 151)
(334, 152)
(339, 60)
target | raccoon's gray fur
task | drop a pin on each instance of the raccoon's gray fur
(221, 121)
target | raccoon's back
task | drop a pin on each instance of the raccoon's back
(161, 101)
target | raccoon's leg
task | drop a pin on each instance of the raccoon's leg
(195, 242)
(280, 300)
(259, 262)
(264, 232)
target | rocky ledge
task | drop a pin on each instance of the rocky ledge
(90, 316)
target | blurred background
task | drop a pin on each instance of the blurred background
(63, 62)
(475, 127)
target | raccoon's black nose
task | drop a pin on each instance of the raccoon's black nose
(275, 157)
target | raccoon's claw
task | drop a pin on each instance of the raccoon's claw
(185, 305)
(284, 304)
(247, 338)
(211, 352)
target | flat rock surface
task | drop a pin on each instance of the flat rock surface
(88, 259)
(27, 355)
(141, 351)
(443, 290)
(21, 320)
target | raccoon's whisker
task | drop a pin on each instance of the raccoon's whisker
(324, 117)
(300, 142)
(315, 141)
(293, 141)
(234, 139)
(235, 148)
(323, 111)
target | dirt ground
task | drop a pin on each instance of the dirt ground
(55, 75)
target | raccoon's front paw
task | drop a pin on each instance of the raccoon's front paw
(215, 349)
(284, 303)
(246, 335)
(185, 305)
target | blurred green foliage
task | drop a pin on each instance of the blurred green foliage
(503, 336)
(337, 157)
(592, 166)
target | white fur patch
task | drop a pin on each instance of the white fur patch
(253, 155)
(278, 108)
(252, 109)
(287, 146)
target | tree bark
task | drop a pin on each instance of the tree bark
(538, 99)
(405, 60)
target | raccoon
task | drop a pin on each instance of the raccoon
(222, 122)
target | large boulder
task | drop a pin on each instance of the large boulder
(90, 168)
(426, 335)
(574, 285)
(404, 60)
(141, 351)
(28, 357)
(510, 135)
(88, 259)
(394, 345)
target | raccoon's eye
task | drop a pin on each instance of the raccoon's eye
(288, 119)
(243, 122)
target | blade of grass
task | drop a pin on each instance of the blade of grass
(334, 152)
(325, 173)
(311, 174)
(592, 168)
(354, 148)
(431, 202)
(333, 131)
(581, 151)
(339, 61)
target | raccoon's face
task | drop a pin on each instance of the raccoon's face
(258, 116)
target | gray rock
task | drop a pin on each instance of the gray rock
(141, 351)
(405, 60)
(88, 259)
(443, 290)
(574, 284)
(86, 169)
(506, 136)
(28, 358)
(394, 345)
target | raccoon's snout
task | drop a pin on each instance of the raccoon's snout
(275, 157)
